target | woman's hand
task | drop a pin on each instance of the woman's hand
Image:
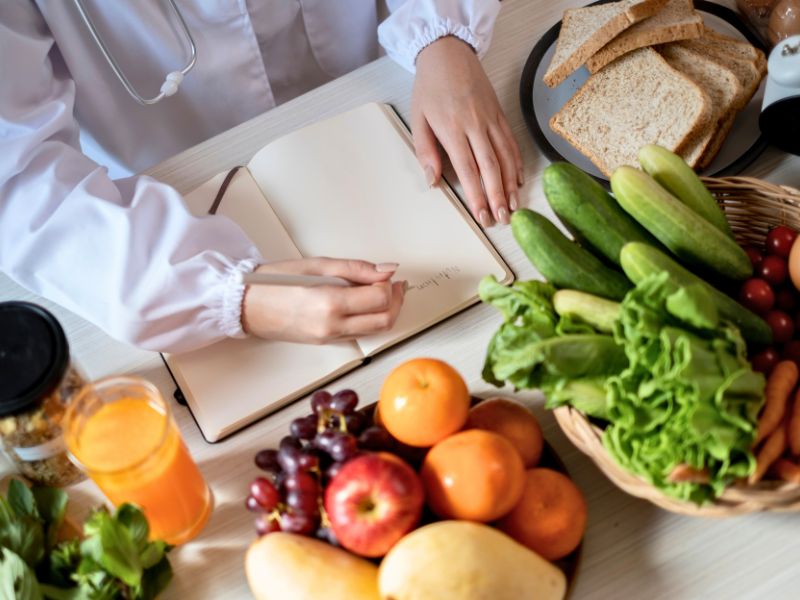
(322, 314)
(454, 102)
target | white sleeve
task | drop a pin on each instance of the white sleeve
(126, 255)
(414, 24)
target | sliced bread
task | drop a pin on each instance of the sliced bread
(738, 48)
(722, 87)
(678, 20)
(748, 71)
(636, 100)
(586, 30)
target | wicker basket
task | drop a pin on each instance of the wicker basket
(753, 207)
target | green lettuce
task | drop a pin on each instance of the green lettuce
(673, 383)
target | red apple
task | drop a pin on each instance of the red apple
(373, 501)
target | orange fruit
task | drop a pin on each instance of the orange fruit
(514, 422)
(423, 401)
(474, 475)
(550, 518)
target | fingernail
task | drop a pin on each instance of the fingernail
(386, 267)
(483, 217)
(520, 179)
(513, 202)
(430, 176)
(502, 215)
(405, 286)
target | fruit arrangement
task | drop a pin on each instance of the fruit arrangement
(648, 322)
(358, 503)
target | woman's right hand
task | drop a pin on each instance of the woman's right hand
(323, 314)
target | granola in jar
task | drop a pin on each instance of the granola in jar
(37, 382)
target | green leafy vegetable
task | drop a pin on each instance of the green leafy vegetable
(115, 560)
(673, 382)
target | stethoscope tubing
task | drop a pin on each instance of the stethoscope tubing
(175, 76)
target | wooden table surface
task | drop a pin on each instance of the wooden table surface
(632, 549)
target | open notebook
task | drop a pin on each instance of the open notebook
(346, 187)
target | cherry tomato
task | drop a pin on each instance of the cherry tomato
(765, 361)
(781, 324)
(780, 239)
(791, 351)
(786, 300)
(757, 295)
(773, 269)
(754, 254)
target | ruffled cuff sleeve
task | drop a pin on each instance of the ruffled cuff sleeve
(414, 24)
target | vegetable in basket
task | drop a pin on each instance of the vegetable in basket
(672, 384)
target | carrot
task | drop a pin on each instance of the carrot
(786, 470)
(683, 473)
(770, 452)
(793, 427)
(780, 384)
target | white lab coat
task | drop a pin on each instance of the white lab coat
(125, 253)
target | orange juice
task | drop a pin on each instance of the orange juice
(126, 440)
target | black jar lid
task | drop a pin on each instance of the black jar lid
(34, 355)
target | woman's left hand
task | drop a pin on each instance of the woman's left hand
(455, 105)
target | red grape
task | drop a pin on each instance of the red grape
(781, 324)
(773, 269)
(376, 438)
(267, 460)
(303, 503)
(308, 461)
(289, 459)
(355, 422)
(265, 493)
(344, 402)
(302, 481)
(320, 401)
(757, 295)
(289, 442)
(754, 254)
(344, 447)
(252, 505)
(324, 441)
(786, 300)
(780, 240)
(304, 428)
(266, 524)
(765, 361)
(333, 470)
(299, 523)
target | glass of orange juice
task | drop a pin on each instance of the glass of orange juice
(121, 432)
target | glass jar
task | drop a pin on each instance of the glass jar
(37, 382)
(756, 13)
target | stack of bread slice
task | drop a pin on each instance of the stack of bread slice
(665, 79)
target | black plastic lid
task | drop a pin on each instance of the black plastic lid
(34, 355)
(780, 123)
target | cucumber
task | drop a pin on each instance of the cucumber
(597, 312)
(561, 261)
(589, 212)
(640, 260)
(680, 180)
(689, 236)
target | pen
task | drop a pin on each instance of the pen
(287, 279)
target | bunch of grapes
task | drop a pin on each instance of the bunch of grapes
(290, 496)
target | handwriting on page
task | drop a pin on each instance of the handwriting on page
(435, 280)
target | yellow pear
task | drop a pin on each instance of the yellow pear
(460, 560)
(284, 566)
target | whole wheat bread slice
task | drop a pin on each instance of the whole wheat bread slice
(636, 100)
(676, 21)
(739, 48)
(586, 30)
(750, 72)
(722, 87)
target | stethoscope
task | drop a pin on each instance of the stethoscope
(173, 79)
